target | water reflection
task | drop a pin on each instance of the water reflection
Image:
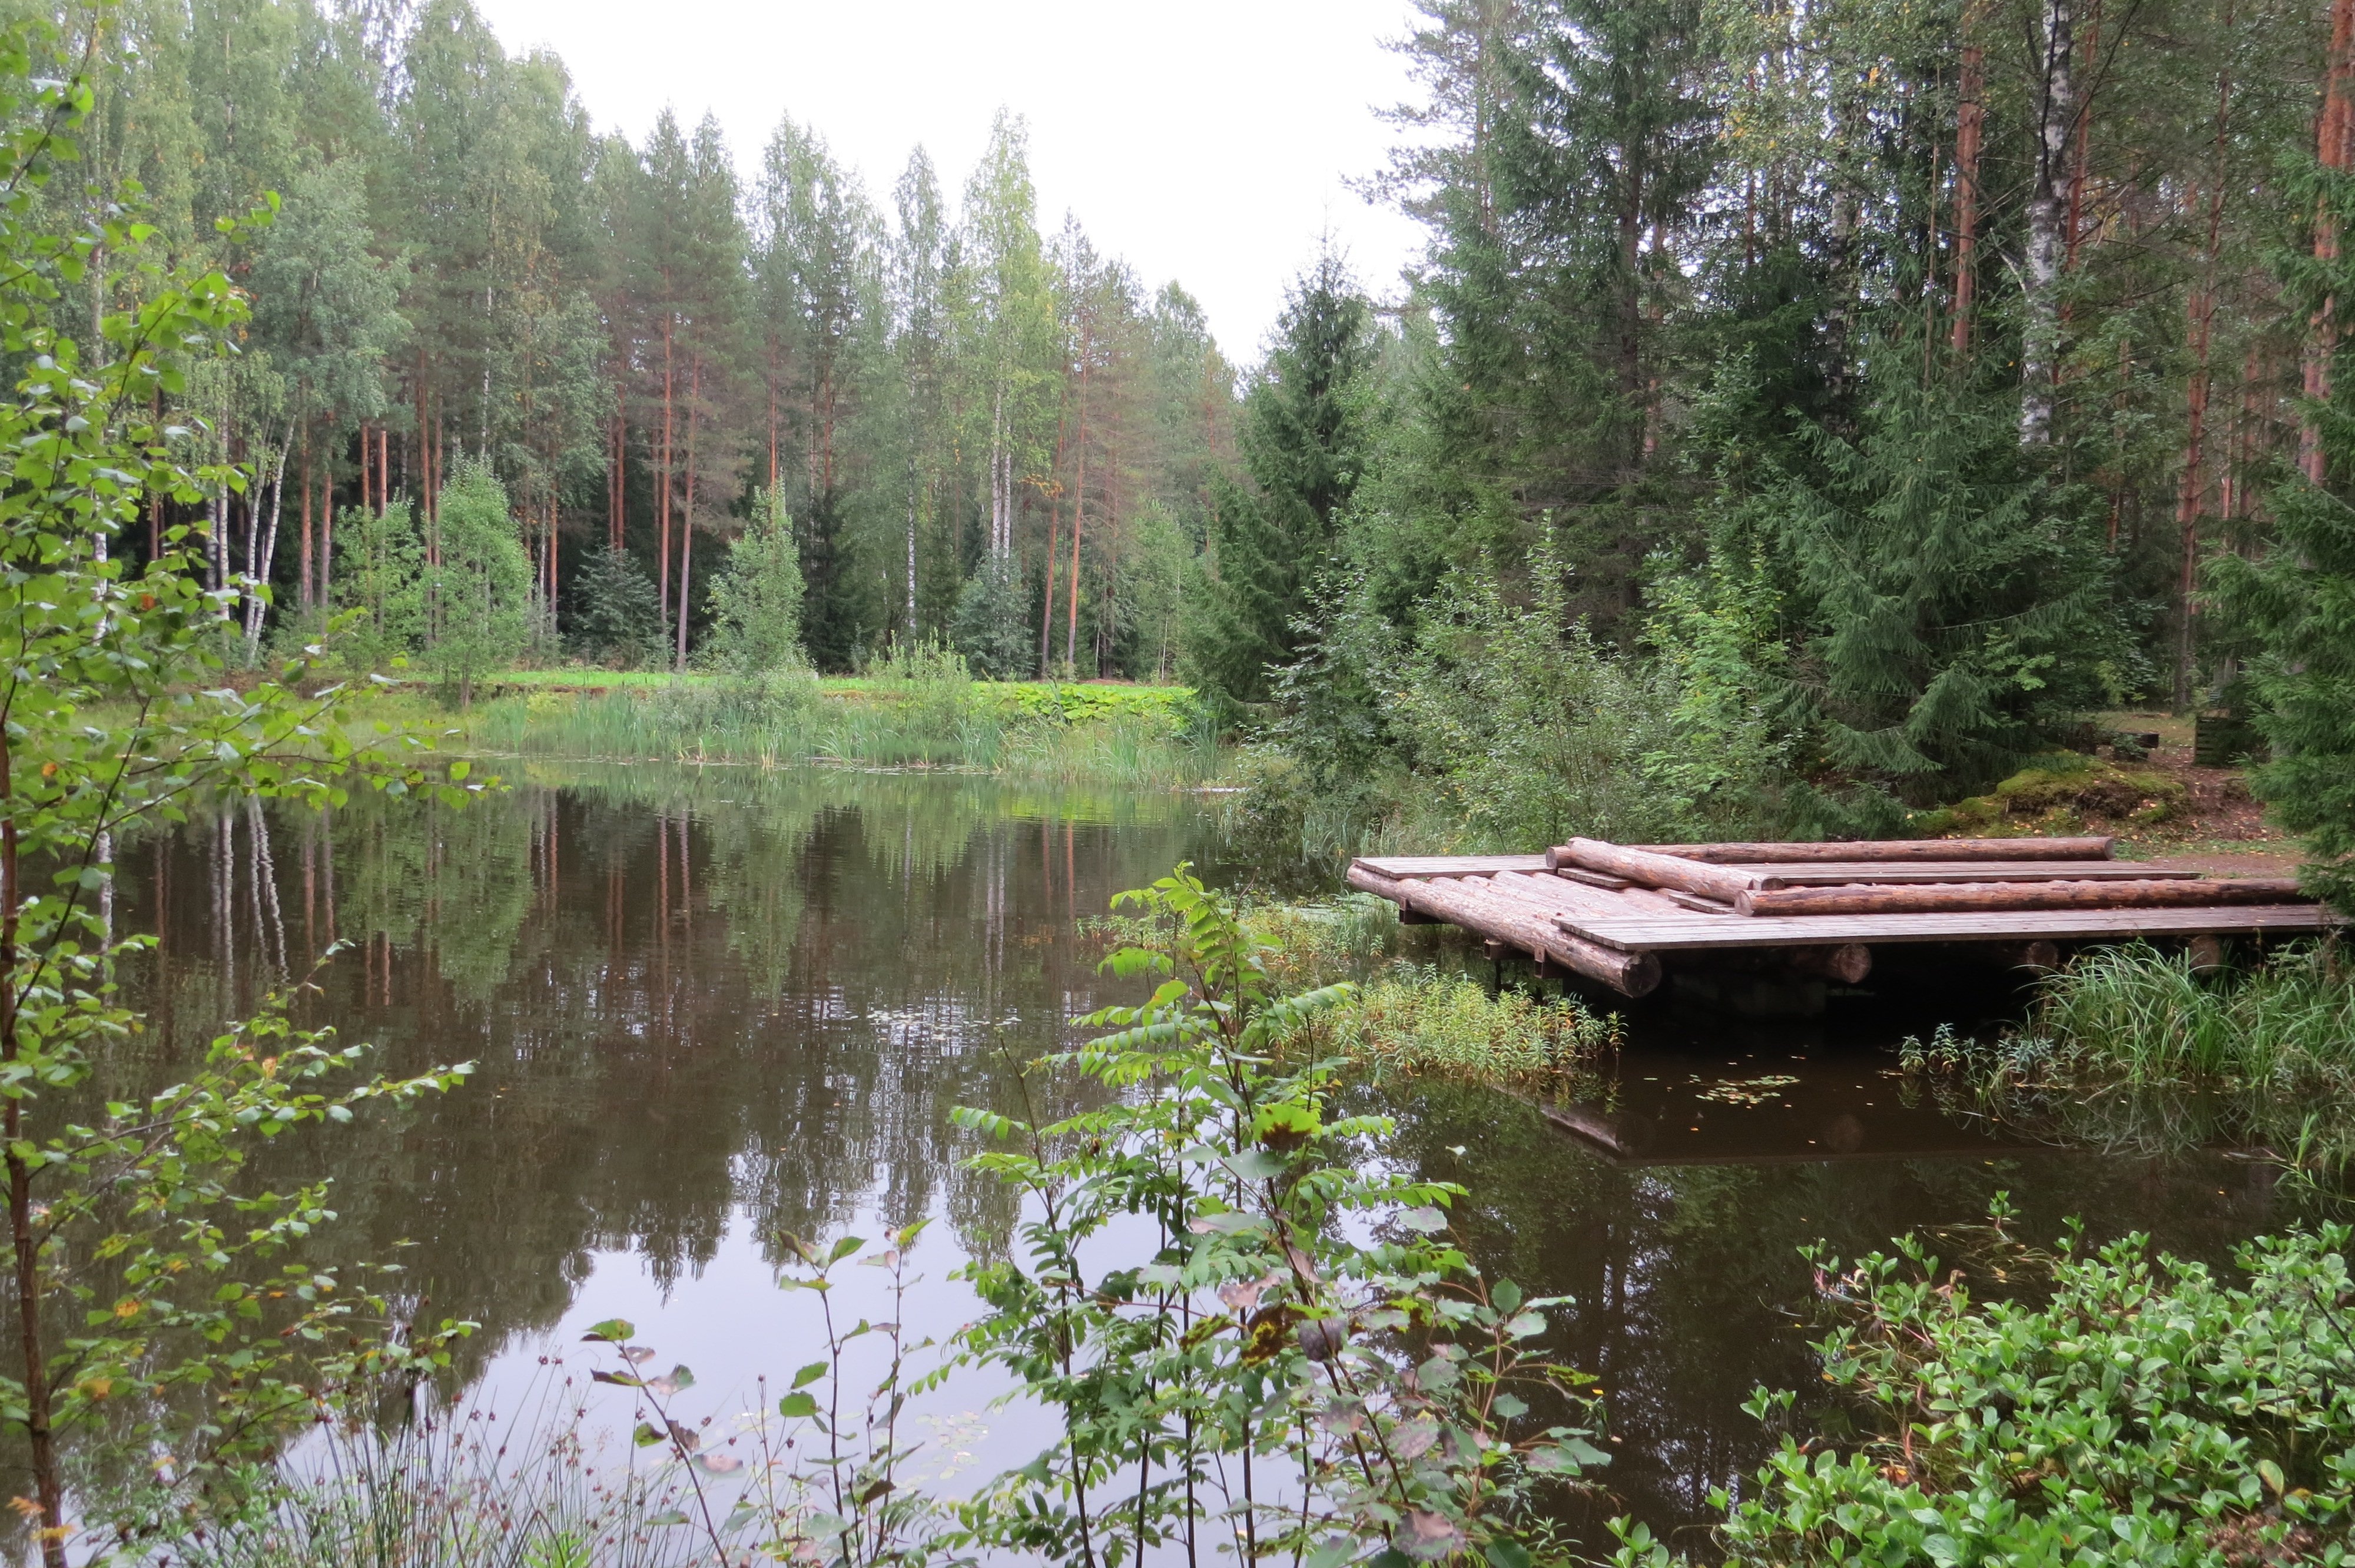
(711, 1007)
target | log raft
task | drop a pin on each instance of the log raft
(1608, 913)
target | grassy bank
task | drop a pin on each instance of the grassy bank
(1135, 737)
(2132, 1047)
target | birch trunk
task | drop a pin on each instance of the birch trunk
(2056, 121)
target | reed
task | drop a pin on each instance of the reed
(2131, 1048)
(947, 725)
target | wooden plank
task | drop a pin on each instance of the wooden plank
(1651, 870)
(1691, 932)
(1398, 866)
(1888, 873)
(1561, 894)
(1469, 903)
(1861, 899)
(1889, 849)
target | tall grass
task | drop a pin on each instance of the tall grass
(1409, 1017)
(458, 1489)
(2135, 1048)
(934, 724)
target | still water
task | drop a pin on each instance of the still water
(713, 1007)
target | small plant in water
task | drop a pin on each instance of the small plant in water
(1251, 1342)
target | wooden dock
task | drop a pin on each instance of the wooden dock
(1611, 913)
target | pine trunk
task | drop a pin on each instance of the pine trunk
(2331, 150)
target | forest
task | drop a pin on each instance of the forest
(1798, 413)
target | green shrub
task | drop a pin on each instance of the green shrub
(2145, 1411)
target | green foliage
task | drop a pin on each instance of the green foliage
(1453, 1026)
(1404, 1392)
(1531, 729)
(1303, 440)
(1954, 608)
(130, 1223)
(478, 595)
(2145, 1410)
(991, 627)
(2298, 602)
(931, 683)
(756, 603)
(380, 573)
(617, 617)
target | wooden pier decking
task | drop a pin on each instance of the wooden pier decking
(1609, 912)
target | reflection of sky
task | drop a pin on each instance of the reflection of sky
(730, 1325)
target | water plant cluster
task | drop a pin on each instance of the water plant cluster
(2134, 1048)
(2125, 1408)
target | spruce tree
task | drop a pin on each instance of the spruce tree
(1304, 441)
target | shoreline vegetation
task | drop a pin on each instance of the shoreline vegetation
(1142, 738)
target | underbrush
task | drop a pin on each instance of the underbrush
(2131, 1047)
(2136, 1410)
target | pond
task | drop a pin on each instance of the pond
(712, 1007)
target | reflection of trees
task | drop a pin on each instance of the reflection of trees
(1689, 1287)
(690, 993)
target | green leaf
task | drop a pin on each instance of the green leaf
(1506, 1296)
(645, 1436)
(1507, 1555)
(809, 1374)
(613, 1330)
(1255, 1164)
(1426, 1221)
(797, 1405)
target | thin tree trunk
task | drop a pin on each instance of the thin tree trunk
(1079, 520)
(263, 557)
(327, 542)
(2202, 311)
(304, 598)
(662, 487)
(2056, 122)
(1970, 125)
(687, 522)
(2332, 148)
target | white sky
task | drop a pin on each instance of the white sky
(1210, 142)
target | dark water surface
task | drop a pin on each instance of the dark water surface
(710, 1007)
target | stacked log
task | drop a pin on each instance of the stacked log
(1648, 870)
(1863, 898)
(1896, 851)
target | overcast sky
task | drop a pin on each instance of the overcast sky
(1210, 142)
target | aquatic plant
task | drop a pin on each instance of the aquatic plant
(2143, 1409)
(1252, 1370)
(2130, 1046)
